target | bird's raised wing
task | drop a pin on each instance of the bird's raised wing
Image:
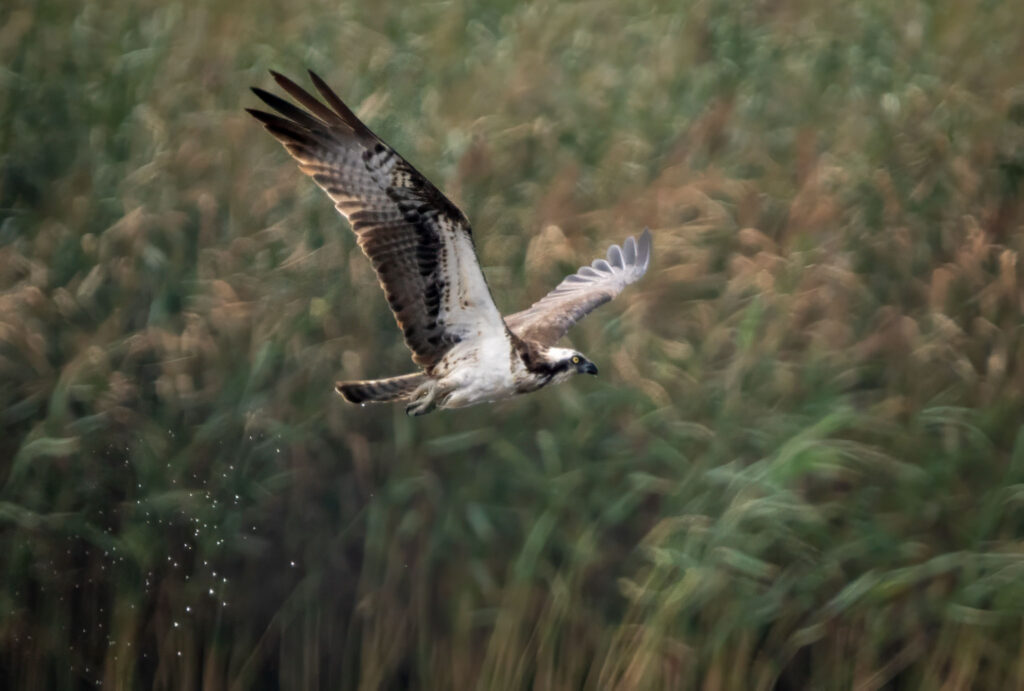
(419, 242)
(547, 320)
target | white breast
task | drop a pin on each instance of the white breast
(477, 370)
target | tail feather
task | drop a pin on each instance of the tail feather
(380, 390)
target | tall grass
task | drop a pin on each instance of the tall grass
(801, 468)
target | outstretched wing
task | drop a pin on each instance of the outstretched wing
(419, 242)
(547, 320)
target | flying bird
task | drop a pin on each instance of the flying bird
(421, 247)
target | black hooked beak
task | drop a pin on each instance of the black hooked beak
(587, 367)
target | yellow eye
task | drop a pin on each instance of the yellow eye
(575, 359)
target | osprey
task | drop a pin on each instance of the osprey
(421, 247)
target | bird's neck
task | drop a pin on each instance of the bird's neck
(534, 356)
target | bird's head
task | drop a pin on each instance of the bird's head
(567, 361)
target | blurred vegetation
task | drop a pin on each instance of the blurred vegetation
(802, 467)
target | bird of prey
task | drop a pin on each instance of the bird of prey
(421, 247)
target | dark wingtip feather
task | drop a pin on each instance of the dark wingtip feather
(266, 118)
(629, 251)
(285, 83)
(288, 110)
(319, 82)
(335, 102)
(644, 249)
(269, 119)
(275, 102)
(615, 257)
(285, 131)
(307, 99)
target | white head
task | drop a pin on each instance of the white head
(565, 362)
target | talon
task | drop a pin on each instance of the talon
(423, 400)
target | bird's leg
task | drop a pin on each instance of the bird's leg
(422, 400)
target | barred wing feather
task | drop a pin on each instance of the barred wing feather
(548, 319)
(419, 242)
